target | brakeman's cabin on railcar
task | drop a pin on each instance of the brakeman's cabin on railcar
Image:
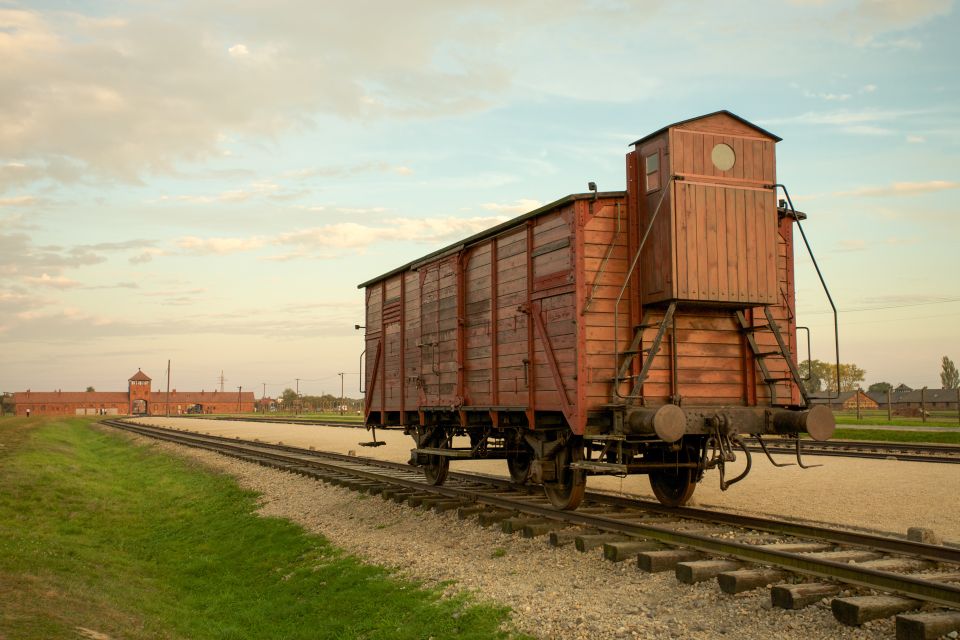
(640, 331)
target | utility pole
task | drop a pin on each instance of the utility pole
(263, 397)
(296, 405)
(239, 395)
(221, 380)
(168, 388)
(341, 392)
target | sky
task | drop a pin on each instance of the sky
(206, 182)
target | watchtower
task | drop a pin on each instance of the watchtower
(139, 390)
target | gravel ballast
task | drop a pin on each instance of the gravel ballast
(554, 592)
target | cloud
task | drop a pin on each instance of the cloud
(172, 83)
(859, 244)
(147, 255)
(56, 282)
(218, 246)
(319, 241)
(340, 171)
(913, 139)
(867, 21)
(20, 257)
(19, 201)
(846, 117)
(70, 325)
(257, 189)
(901, 189)
(523, 205)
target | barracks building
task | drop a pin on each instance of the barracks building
(138, 399)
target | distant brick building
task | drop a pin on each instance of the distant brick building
(844, 400)
(138, 399)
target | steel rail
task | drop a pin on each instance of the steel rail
(936, 553)
(940, 593)
(906, 452)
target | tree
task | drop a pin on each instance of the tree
(880, 387)
(823, 376)
(289, 398)
(850, 377)
(949, 377)
(816, 371)
(89, 389)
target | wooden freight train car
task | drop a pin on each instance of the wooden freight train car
(640, 331)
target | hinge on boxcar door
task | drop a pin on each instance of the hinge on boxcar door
(524, 308)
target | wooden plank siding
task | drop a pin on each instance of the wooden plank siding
(528, 320)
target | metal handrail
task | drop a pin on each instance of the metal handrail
(836, 322)
(626, 282)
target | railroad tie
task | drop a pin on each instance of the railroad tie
(448, 505)
(566, 537)
(798, 596)
(928, 625)
(493, 516)
(741, 580)
(515, 525)
(465, 512)
(542, 529)
(666, 560)
(620, 551)
(696, 571)
(856, 610)
(897, 565)
(587, 542)
(847, 555)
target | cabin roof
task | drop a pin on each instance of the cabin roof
(775, 137)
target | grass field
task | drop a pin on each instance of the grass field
(934, 419)
(939, 437)
(99, 534)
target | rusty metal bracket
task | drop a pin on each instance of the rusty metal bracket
(568, 409)
(763, 446)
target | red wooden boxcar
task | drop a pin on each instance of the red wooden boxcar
(645, 331)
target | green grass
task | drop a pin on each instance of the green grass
(98, 533)
(934, 437)
(935, 419)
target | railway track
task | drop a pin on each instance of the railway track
(910, 452)
(740, 552)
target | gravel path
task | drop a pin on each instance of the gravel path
(885, 496)
(554, 592)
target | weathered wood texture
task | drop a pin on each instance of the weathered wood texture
(713, 238)
(533, 319)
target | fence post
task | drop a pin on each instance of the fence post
(923, 404)
(858, 403)
(889, 405)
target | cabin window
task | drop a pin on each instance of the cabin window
(723, 157)
(652, 163)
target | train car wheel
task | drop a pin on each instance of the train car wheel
(673, 487)
(437, 467)
(566, 492)
(518, 462)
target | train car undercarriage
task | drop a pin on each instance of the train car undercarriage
(673, 446)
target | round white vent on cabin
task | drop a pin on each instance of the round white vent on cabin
(723, 157)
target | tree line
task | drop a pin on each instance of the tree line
(822, 377)
(327, 402)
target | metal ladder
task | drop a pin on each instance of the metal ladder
(782, 352)
(634, 350)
